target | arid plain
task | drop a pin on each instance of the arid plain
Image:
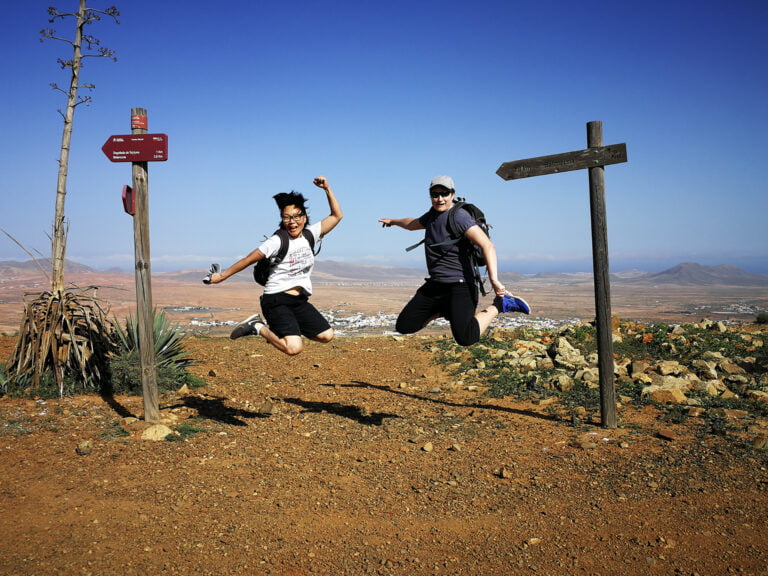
(377, 291)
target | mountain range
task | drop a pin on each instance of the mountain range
(333, 272)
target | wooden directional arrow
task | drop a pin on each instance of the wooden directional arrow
(556, 163)
(136, 148)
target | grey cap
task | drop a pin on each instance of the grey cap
(442, 180)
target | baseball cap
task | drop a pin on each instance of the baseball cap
(442, 180)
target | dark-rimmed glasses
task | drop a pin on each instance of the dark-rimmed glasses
(440, 192)
(295, 218)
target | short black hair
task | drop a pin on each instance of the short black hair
(291, 198)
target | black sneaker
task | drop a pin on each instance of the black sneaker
(251, 326)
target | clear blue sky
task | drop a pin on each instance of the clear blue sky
(260, 97)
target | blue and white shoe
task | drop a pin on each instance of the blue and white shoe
(251, 326)
(510, 303)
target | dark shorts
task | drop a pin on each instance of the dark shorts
(455, 301)
(288, 315)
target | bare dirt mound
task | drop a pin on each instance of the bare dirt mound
(363, 457)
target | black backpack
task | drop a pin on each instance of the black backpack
(475, 253)
(264, 266)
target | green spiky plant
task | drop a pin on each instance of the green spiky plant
(171, 358)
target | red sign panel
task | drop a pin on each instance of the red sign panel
(137, 148)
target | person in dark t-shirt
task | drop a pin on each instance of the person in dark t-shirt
(450, 290)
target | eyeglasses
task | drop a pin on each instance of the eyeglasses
(294, 218)
(440, 192)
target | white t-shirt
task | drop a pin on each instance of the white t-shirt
(296, 267)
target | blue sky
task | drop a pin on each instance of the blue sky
(259, 97)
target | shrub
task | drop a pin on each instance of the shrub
(171, 359)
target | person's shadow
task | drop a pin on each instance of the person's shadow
(346, 411)
(475, 405)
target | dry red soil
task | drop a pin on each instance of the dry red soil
(363, 457)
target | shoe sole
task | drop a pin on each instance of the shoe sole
(245, 328)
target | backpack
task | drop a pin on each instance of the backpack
(264, 266)
(475, 253)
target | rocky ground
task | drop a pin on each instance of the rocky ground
(365, 457)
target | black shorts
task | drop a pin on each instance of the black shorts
(288, 315)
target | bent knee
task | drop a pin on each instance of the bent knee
(293, 346)
(325, 337)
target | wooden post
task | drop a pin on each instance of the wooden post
(144, 308)
(594, 158)
(602, 281)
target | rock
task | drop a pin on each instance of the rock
(667, 435)
(730, 413)
(156, 432)
(705, 370)
(760, 443)
(669, 367)
(668, 396)
(639, 367)
(758, 395)
(731, 368)
(428, 447)
(84, 448)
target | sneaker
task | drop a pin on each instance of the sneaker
(248, 327)
(510, 303)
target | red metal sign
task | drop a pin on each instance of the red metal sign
(129, 200)
(137, 148)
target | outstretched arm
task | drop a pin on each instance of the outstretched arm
(480, 239)
(406, 223)
(241, 264)
(329, 222)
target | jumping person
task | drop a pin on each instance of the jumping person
(288, 314)
(451, 290)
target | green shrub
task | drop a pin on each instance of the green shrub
(762, 318)
(171, 359)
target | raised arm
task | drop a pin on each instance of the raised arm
(406, 223)
(241, 264)
(329, 222)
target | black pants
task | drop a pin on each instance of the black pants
(455, 301)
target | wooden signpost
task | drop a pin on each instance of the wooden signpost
(594, 158)
(140, 148)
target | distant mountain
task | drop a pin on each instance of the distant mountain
(333, 272)
(692, 274)
(330, 271)
(9, 268)
(325, 272)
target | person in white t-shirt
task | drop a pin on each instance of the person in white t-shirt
(288, 314)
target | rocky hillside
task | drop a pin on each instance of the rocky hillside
(707, 368)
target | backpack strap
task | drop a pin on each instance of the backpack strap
(454, 234)
(282, 233)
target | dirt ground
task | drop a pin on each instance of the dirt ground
(363, 457)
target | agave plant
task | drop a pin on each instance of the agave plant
(169, 348)
(66, 335)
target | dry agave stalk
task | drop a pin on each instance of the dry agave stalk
(69, 334)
